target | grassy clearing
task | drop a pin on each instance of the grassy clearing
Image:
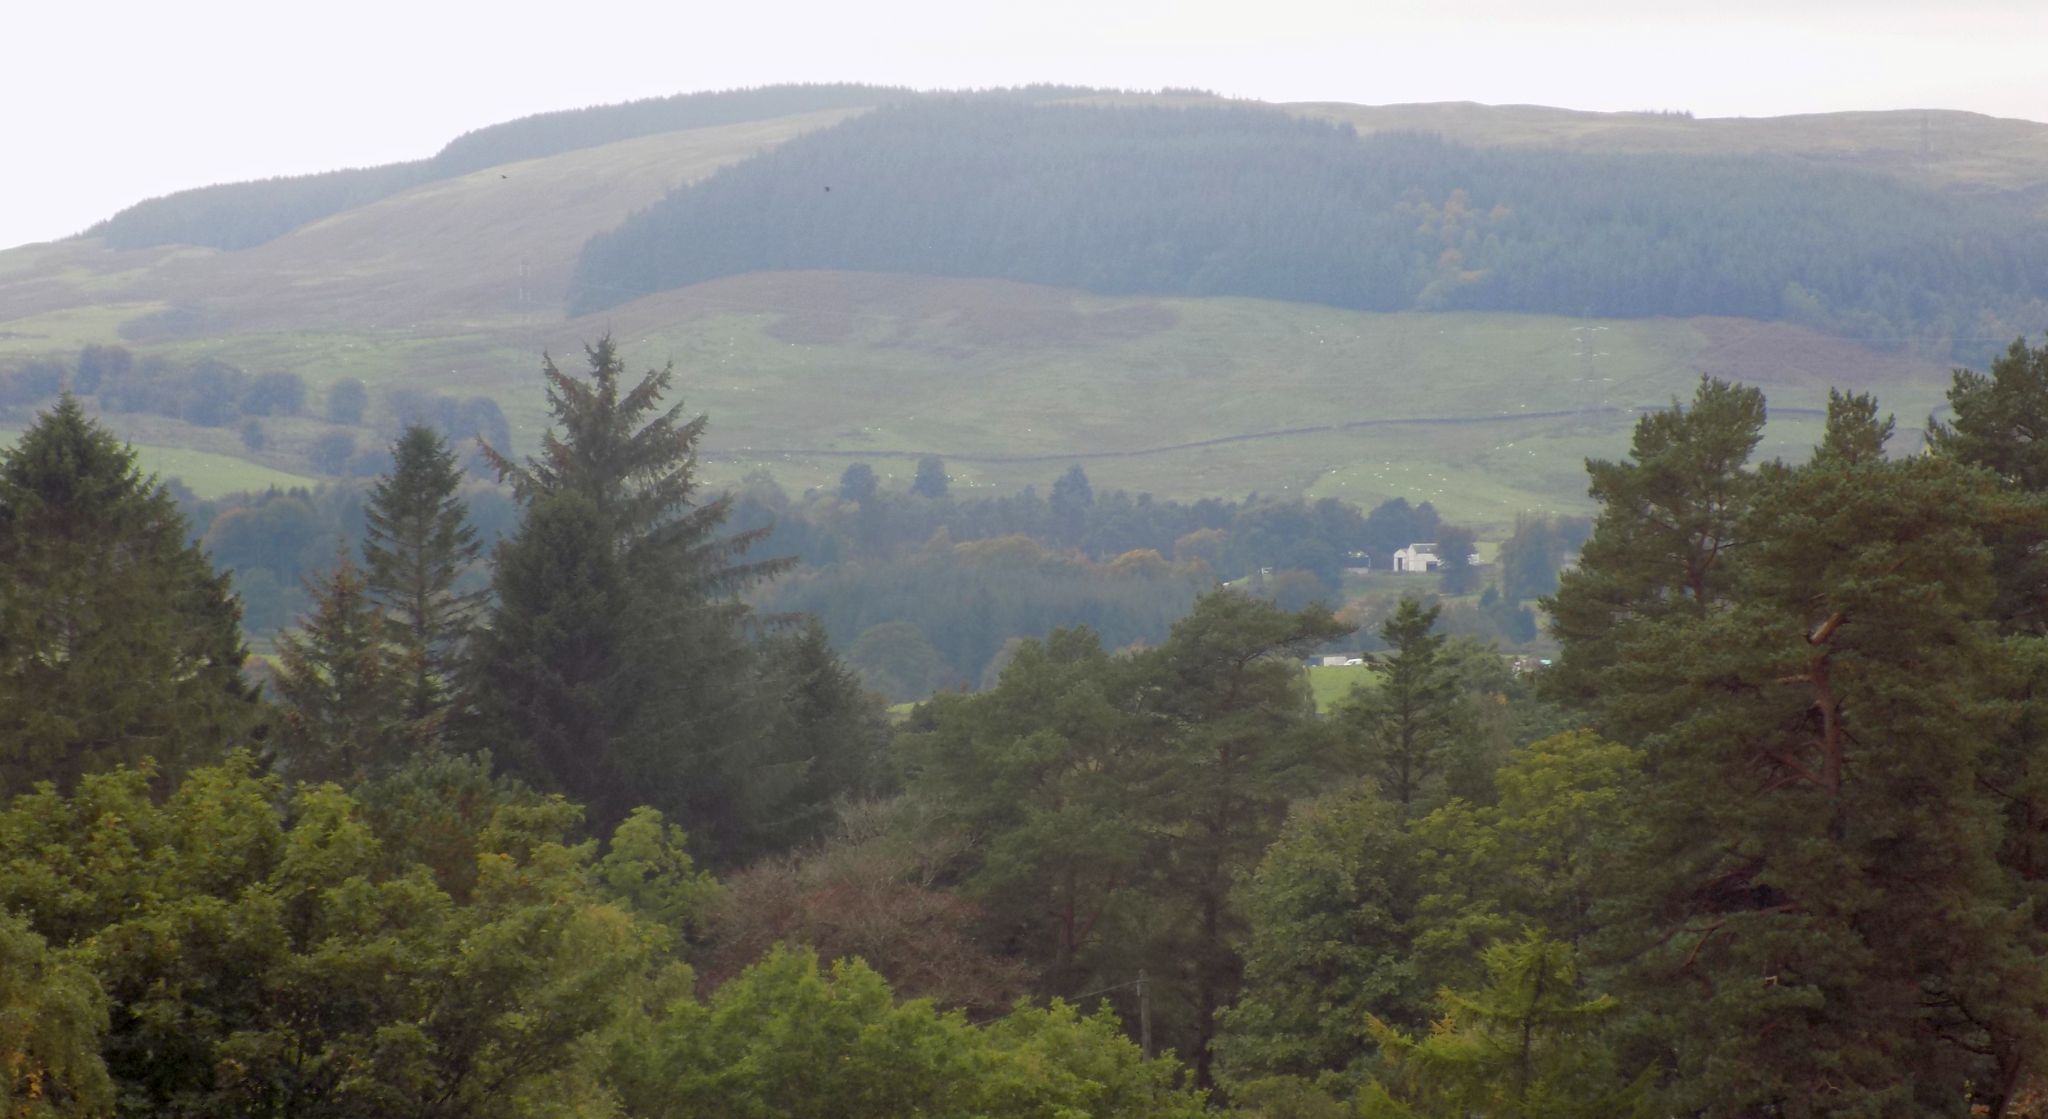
(1331, 683)
(214, 475)
(64, 331)
(206, 473)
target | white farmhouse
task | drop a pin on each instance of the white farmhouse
(1416, 559)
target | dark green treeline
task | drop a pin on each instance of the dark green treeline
(1764, 842)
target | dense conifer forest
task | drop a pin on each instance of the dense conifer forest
(569, 826)
(1255, 202)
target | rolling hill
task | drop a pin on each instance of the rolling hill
(456, 283)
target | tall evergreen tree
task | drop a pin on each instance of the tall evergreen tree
(858, 483)
(118, 640)
(1234, 741)
(1329, 946)
(1817, 920)
(1455, 547)
(825, 741)
(418, 543)
(1528, 559)
(1997, 422)
(1403, 728)
(1072, 498)
(1670, 516)
(553, 656)
(1999, 417)
(1121, 798)
(616, 657)
(1043, 765)
(346, 686)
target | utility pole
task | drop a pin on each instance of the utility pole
(1144, 1016)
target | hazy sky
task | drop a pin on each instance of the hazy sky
(107, 102)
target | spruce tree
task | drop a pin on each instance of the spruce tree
(1402, 730)
(616, 658)
(118, 640)
(826, 739)
(554, 659)
(346, 687)
(418, 543)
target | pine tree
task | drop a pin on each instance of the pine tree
(1997, 421)
(1818, 915)
(346, 687)
(118, 640)
(1232, 740)
(418, 543)
(1999, 417)
(1670, 517)
(1042, 766)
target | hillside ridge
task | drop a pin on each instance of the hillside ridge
(454, 288)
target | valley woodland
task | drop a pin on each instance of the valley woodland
(572, 830)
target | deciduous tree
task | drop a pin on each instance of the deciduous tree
(264, 959)
(1526, 1047)
(52, 1016)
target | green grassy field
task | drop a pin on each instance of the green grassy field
(212, 475)
(206, 473)
(1331, 683)
(1189, 397)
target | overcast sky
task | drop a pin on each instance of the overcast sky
(107, 102)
